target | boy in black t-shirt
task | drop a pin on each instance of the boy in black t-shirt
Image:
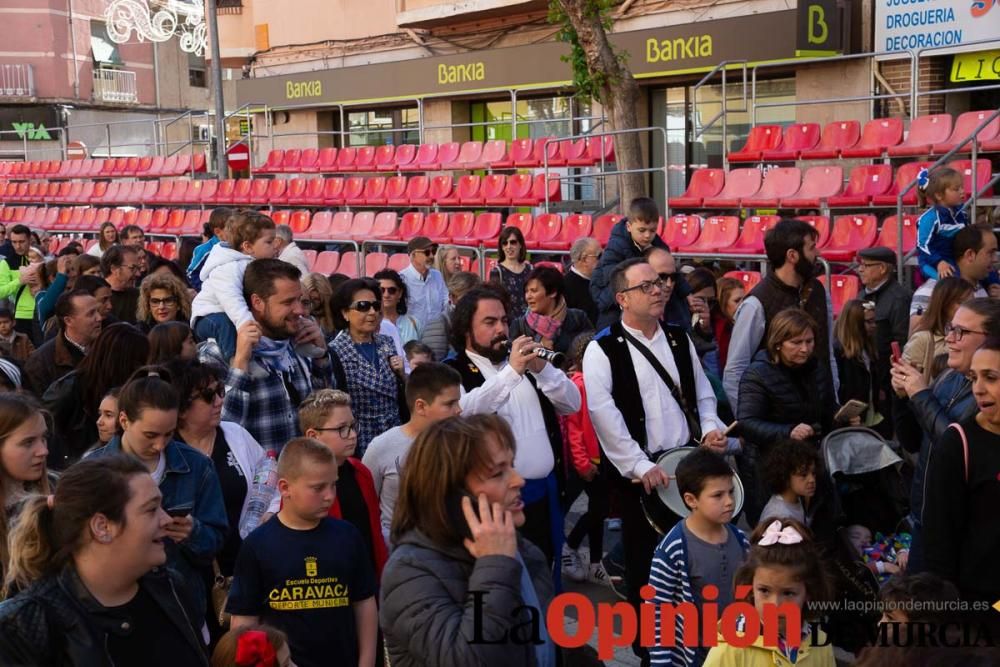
(305, 573)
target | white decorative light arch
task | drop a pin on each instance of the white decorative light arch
(158, 21)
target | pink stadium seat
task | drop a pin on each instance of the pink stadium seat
(327, 262)
(798, 137)
(310, 256)
(398, 261)
(906, 174)
(495, 154)
(319, 227)
(818, 184)
(751, 240)
(405, 154)
(469, 157)
(889, 234)
(575, 226)
(681, 230)
(704, 183)
(964, 126)
(844, 288)
(417, 193)
(426, 159)
(155, 166)
(385, 225)
(740, 183)
(760, 139)
(385, 158)
(340, 227)
(717, 232)
(333, 191)
(748, 278)
(361, 225)
(486, 229)
(850, 233)
(925, 131)
(879, 135)
(779, 182)
(349, 264)
(365, 160)
(375, 262)
(864, 183)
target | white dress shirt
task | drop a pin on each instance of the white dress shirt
(666, 426)
(511, 396)
(427, 295)
(294, 256)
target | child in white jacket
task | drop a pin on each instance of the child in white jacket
(220, 309)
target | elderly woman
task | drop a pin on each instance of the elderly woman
(448, 261)
(162, 298)
(394, 305)
(548, 319)
(454, 531)
(365, 363)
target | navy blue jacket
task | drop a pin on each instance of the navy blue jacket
(619, 248)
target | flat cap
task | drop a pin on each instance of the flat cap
(878, 254)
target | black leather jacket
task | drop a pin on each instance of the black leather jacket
(57, 623)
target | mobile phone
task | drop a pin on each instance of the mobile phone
(897, 354)
(177, 512)
(454, 505)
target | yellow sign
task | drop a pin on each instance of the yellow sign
(461, 73)
(298, 90)
(681, 48)
(982, 66)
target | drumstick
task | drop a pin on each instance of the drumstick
(639, 481)
(729, 429)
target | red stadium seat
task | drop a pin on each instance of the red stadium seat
(309, 160)
(844, 288)
(889, 234)
(225, 192)
(751, 240)
(299, 222)
(879, 135)
(522, 221)
(681, 230)
(405, 154)
(258, 190)
(398, 261)
(540, 187)
(494, 191)
(290, 163)
(375, 262)
(469, 190)
(964, 126)
(175, 221)
(333, 191)
(241, 191)
(192, 195)
(441, 190)
(545, 230)
(779, 182)
(158, 222)
(327, 262)
(717, 232)
(983, 176)
(818, 184)
(294, 192)
(864, 183)
(385, 225)
(461, 224)
(925, 131)
(599, 149)
(521, 154)
(518, 187)
(570, 150)
(486, 229)
(365, 159)
(417, 193)
(319, 226)
(488, 266)
(821, 224)
(495, 154)
(850, 233)
(436, 227)
(541, 147)
(281, 217)
(470, 155)
(143, 166)
(192, 222)
(411, 225)
(748, 278)
(385, 158)
(349, 264)
(603, 226)
(760, 139)
(354, 191)
(906, 174)
(273, 163)
(575, 226)
(345, 159)
(798, 137)
(426, 159)
(395, 191)
(740, 183)
(361, 225)
(326, 161)
(704, 183)
(374, 192)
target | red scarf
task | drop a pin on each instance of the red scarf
(367, 485)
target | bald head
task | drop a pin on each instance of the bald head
(665, 265)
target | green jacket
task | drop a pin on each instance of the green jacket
(24, 300)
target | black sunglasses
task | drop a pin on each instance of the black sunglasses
(208, 394)
(390, 290)
(669, 277)
(366, 306)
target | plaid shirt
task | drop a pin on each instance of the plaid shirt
(266, 403)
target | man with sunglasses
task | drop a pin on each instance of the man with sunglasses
(427, 295)
(584, 254)
(120, 267)
(675, 287)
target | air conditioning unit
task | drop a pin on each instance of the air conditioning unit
(204, 133)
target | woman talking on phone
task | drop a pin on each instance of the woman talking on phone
(454, 528)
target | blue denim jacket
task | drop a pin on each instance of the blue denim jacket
(189, 481)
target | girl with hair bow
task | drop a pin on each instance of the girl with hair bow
(253, 646)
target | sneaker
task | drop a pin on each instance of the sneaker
(572, 567)
(598, 575)
(615, 576)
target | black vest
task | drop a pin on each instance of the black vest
(625, 389)
(775, 296)
(473, 378)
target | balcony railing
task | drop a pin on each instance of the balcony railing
(17, 80)
(116, 86)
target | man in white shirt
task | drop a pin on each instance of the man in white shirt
(427, 295)
(634, 412)
(525, 390)
(287, 250)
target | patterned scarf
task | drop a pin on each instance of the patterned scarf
(276, 354)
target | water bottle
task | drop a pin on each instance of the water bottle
(265, 483)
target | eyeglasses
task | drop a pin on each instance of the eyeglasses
(210, 393)
(343, 431)
(165, 301)
(959, 332)
(511, 241)
(594, 255)
(669, 277)
(366, 306)
(868, 305)
(391, 291)
(647, 286)
(429, 252)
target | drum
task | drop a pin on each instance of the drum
(664, 507)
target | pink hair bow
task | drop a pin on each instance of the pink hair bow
(775, 534)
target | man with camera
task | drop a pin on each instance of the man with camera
(511, 379)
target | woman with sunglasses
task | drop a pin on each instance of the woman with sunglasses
(365, 363)
(162, 298)
(512, 271)
(235, 454)
(394, 305)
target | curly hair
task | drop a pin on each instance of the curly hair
(465, 310)
(787, 458)
(163, 281)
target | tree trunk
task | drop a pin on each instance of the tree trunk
(619, 95)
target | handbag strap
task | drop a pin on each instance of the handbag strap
(693, 424)
(965, 447)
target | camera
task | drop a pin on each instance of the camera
(552, 356)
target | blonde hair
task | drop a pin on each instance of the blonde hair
(299, 450)
(319, 405)
(163, 281)
(439, 262)
(320, 283)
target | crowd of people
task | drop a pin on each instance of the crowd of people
(425, 434)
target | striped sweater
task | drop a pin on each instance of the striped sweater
(668, 575)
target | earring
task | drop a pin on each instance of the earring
(103, 538)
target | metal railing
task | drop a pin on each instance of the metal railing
(17, 80)
(116, 86)
(697, 130)
(915, 91)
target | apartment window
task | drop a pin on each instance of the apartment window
(539, 117)
(105, 52)
(197, 74)
(383, 126)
